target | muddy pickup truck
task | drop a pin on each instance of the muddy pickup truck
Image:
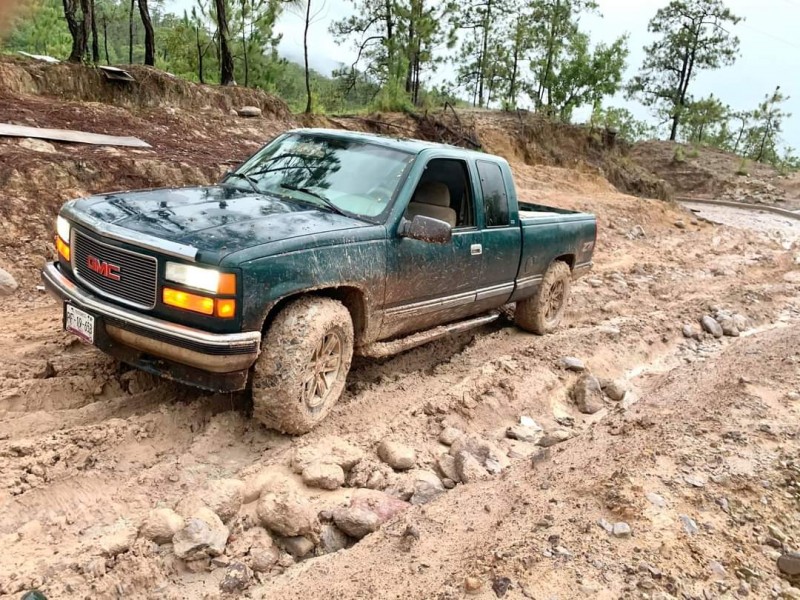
(321, 245)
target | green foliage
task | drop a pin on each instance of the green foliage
(623, 122)
(705, 121)
(742, 170)
(692, 36)
(679, 156)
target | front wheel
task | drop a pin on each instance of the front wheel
(542, 312)
(304, 361)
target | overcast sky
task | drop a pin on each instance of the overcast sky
(769, 35)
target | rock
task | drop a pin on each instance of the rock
(298, 546)
(621, 530)
(570, 363)
(711, 326)
(694, 480)
(224, 497)
(690, 332)
(656, 499)
(447, 467)
(680, 224)
(789, 564)
(728, 326)
(636, 233)
(500, 586)
(332, 539)
(468, 469)
(270, 479)
(776, 532)
(119, 540)
(323, 476)
(427, 486)
(553, 437)
(488, 455)
(615, 390)
(203, 535)
(472, 585)
(381, 503)
(161, 525)
(262, 560)
(740, 321)
(237, 578)
(605, 526)
(249, 111)
(689, 526)
(286, 514)
(587, 395)
(37, 145)
(331, 450)
(522, 433)
(450, 435)
(356, 522)
(46, 372)
(397, 455)
(8, 285)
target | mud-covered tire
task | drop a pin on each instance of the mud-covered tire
(307, 349)
(542, 312)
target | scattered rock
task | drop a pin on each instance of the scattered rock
(270, 479)
(249, 111)
(161, 525)
(286, 514)
(332, 539)
(262, 560)
(331, 450)
(381, 503)
(680, 224)
(605, 526)
(447, 467)
(224, 497)
(237, 578)
(46, 372)
(324, 476)
(356, 522)
(37, 145)
(397, 455)
(427, 486)
(298, 546)
(472, 585)
(450, 435)
(711, 326)
(694, 480)
(636, 233)
(500, 586)
(119, 540)
(587, 395)
(656, 499)
(729, 327)
(789, 564)
(621, 530)
(8, 285)
(690, 332)
(614, 389)
(203, 535)
(492, 458)
(570, 363)
(689, 526)
(522, 433)
(468, 469)
(553, 437)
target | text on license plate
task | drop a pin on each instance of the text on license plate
(79, 322)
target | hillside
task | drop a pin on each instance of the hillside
(684, 483)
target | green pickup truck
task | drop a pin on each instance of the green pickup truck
(321, 245)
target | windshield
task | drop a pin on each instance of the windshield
(339, 175)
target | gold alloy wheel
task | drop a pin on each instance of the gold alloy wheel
(323, 370)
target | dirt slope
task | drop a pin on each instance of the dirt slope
(88, 449)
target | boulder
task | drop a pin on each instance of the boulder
(427, 486)
(286, 514)
(381, 503)
(522, 433)
(587, 395)
(553, 437)
(8, 285)
(468, 469)
(224, 497)
(449, 435)
(270, 479)
(570, 363)
(203, 535)
(330, 450)
(324, 476)
(447, 466)
(356, 522)
(615, 390)
(397, 455)
(298, 546)
(249, 111)
(161, 525)
(332, 539)
(711, 326)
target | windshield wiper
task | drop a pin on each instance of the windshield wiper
(328, 204)
(253, 183)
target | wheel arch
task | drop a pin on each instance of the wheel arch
(565, 258)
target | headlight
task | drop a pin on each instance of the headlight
(63, 228)
(208, 280)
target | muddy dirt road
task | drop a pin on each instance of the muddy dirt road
(698, 461)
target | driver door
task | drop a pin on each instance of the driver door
(431, 284)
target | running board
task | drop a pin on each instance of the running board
(384, 349)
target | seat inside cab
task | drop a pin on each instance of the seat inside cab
(444, 193)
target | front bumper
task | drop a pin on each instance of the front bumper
(218, 362)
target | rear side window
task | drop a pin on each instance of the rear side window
(495, 200)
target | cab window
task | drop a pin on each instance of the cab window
(495, 199)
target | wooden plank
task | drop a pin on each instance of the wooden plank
(66, 135)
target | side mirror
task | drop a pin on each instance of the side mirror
(426, 229)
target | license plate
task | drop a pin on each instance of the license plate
(79, 322)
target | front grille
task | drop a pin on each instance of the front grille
(137, 273)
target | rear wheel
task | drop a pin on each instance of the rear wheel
(542, 312)
(304, 361)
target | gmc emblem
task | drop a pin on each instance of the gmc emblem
(101, 267)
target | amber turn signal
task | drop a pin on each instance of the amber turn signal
(187, 301)
(63, 248)
(226, 308)
(227, 284)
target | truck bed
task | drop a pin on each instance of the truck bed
(539, 213)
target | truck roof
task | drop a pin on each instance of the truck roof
(404, 144)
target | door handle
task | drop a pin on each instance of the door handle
(476, 249)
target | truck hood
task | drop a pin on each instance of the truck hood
(215, 220)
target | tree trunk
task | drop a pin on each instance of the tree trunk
(225, 56)
(149, 34)
(487, 26)
(199, 55)
(305, 56)
(76, 31)
(766, 136)
(105, 38)
(130, 32)
(95, 44)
